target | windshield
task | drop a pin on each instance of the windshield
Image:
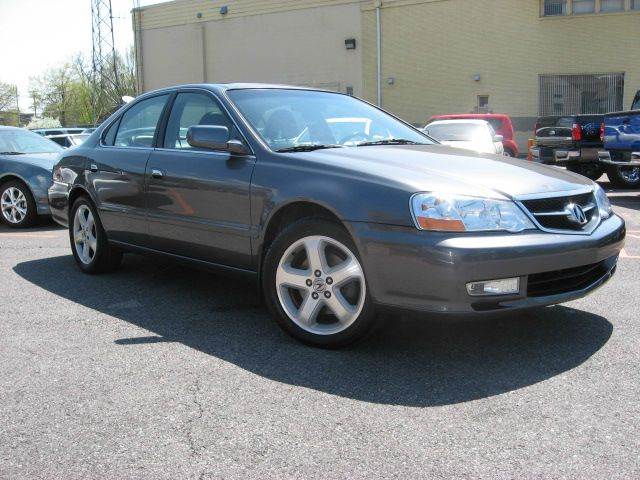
(24, 141)
(286, 119)
(458, 132)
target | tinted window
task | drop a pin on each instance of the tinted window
(138, 125)
(636, 102)
(194, 109)
(62, 141)
(110, 135)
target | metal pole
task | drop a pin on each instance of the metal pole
(378, 55)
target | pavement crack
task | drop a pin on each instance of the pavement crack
(195, 389)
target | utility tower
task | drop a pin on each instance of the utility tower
(104, 64)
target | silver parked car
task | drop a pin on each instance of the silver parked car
(476, 135)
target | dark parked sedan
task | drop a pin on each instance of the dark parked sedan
(26, 164)
(334, 224)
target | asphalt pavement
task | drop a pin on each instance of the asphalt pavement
(163, 372)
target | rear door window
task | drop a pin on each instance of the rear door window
(139, 123)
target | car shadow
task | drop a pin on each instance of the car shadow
(412, 362)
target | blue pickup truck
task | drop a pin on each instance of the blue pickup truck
(621, 142)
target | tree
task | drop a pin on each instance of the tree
(72, 93)
(9, 100)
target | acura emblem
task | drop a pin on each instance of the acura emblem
(576, 214)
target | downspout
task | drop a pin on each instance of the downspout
(378, 54)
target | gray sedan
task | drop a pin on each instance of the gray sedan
(334, 223)
(26, 164)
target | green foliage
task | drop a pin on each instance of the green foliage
(71, 93)
(9, 103)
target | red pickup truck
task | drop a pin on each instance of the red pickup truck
(501, 123)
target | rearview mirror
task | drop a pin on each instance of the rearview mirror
(213, 138)
(498, 138)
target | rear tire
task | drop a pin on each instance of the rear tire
(88, 239)
(592, 171)
(320, 298)
(17, 205)
(624, 177)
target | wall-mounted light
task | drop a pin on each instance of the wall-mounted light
(391, 80)
(477, 77)
(350, 43)
(198, 15)
(224, 10)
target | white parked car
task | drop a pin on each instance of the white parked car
(476, 135)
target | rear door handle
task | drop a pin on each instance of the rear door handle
(155, 173)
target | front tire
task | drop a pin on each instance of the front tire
(89, 243)
(592, 171)
(624, 177)
(314, 284)
(17, 205)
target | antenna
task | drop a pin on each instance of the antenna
(104, 61)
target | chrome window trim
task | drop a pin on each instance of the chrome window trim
(204, 152)
(595, 221)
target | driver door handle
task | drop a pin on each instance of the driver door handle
(155, 173)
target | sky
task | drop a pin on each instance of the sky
(38, 34)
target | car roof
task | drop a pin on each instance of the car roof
(223, 87)
(471, 116)
(459, 120)
(9, 127)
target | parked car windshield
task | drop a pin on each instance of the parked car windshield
(24, 141)
(287, 119)
(457, 132)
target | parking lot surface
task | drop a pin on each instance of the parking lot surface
(160, 371)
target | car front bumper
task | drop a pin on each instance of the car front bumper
(415, 270)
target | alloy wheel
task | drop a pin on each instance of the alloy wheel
(320, 285)
(631, 175)
(84, 234)
(13, 204)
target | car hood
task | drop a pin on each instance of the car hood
(42, 160)
(420, 168)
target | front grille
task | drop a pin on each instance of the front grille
(567, 280)
(554, 213)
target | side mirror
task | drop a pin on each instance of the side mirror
(213, 138)
(498, 138)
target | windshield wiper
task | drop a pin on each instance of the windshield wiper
(389, 141)
(11, 153)
(307, 148)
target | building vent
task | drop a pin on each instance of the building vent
(580, 94)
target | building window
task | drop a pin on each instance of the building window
(555, 7)
(584, 6)
(483, 103)
(580, 94)
(611, 5)
(635, 4)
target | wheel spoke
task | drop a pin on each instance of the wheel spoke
(85, 251)
(93, 243)
(346, 271)
(314, 247)
(339, 306)
(309, 310)
(288, 276)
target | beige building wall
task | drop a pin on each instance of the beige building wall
(257, 42)
(433, 49)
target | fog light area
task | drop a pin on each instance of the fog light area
(503, 286)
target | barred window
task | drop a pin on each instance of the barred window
(611, 5)
(580, 94)
(555, 7)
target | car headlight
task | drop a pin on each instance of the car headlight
(603, 202)
(460, 213)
